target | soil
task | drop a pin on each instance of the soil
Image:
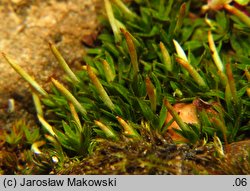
(26, 28)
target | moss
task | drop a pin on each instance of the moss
(102, 124)
(157, 156)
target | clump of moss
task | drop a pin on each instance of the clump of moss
(156, 155)
(151, 155)
(16, 156)
(152, 55)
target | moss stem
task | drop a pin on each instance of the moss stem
(25, 76)
(76, 117)
(181, 17)
(107, 130)
(132, 51)
(102, 92)
(69, 96)
(37, 103)
(231, 83)
(242, 16)
(151, 91)
(109, 74)
(196, 76)
(127, 13)
(248, 79)
(214, 52)
(175, 115)
(35, 146)
(46, 125)
(128, 130)
(112, 21)
(166, 58)
(63, 63)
